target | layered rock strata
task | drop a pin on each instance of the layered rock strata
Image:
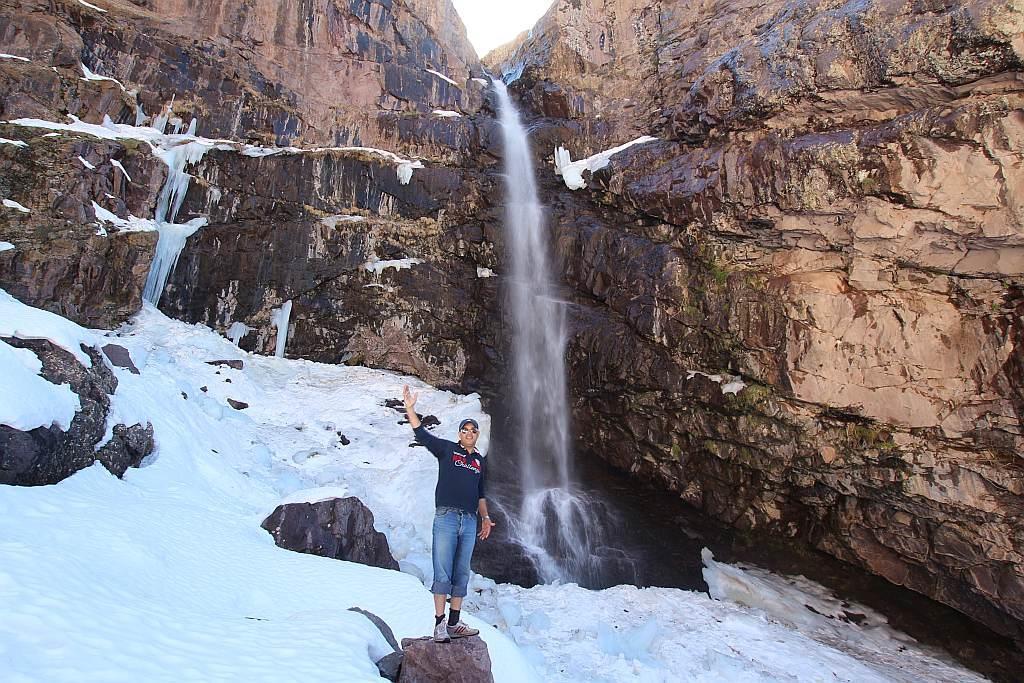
(310, 73)
(801, 307)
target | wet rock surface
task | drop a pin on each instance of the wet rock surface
(799, 309)
(340, 528)
(464, 660)
(47, 455)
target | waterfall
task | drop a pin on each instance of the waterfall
(562, 528)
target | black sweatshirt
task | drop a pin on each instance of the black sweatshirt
(461, 476)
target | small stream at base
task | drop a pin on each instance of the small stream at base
(655, 539)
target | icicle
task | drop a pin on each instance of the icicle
(168, 249)
(192, 128)
(173, 193)
(279, 318)
(160, 122)
(237, 331)
(140, 115)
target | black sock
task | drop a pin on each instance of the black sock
(437, 620)
(453, 617)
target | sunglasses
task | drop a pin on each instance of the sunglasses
(469, 430)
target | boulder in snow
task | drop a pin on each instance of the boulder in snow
(389, 665)
(464, 660)
(341, 528)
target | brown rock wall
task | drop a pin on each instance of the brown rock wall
(60, 262)
(832, 217)
(311, 72)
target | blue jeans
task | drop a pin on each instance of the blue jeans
(453, 540)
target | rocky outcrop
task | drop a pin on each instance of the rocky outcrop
(47, 455)
(340, 528)
(64, 260)
(464, 660)
(801, 307)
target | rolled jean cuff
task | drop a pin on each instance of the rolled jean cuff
(441, 588)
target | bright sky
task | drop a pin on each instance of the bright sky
(491, 23)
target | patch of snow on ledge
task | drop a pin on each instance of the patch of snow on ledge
(332, 221)
(91, 76)
(11, 204)
(731, 384)
(378, 266)
(130, 224)
(87, 164)
(442, 77)
(16, 143)
(446, 113)
(482, 81)
(86, 4)
(7, 56)
(572, 171)
(114, 131)
(6, 246)
(117, 163)
(485, 272)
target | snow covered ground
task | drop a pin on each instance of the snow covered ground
(167, 575)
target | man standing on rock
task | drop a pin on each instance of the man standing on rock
(458, 500)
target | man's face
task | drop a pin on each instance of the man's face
(468, 436)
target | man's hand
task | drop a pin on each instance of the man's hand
(485, 528)
(410, 402)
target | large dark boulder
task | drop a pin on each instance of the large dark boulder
(46, 455)
(341, 528)
(464, 660)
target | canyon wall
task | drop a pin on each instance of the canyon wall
(801, 306)
(382, 269)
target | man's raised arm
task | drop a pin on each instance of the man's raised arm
(410, 403)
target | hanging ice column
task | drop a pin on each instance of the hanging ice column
(561, 527)
(279, 318)
(172, 236)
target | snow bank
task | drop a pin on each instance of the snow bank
(29, 401)
(572, 171)
(6, 246)
(16, 143)
(166, 575)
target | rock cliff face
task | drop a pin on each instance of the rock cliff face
(801, 307)
(382, 269)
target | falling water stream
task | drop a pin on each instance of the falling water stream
(562, 528)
